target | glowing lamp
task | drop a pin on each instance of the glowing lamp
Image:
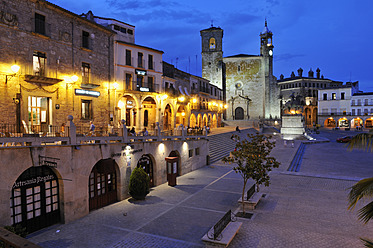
(183, 113)
(15, 68)
(74, 78)
(115, 85)
(181, 99)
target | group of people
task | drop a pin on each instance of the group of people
(132, 132)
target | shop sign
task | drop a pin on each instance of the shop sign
(144, 89)
(140, 72)
(82, 92)
(129, 104)
(34, 180)
(48, 161)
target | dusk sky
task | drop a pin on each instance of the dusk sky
(334, 36)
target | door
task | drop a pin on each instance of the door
(102, 184)
(238, 113)
(35, 199)
(146, 163)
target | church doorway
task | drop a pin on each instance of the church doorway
(102, 184)
(238, 113)
(35, 199)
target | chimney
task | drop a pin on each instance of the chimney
(281, 76)
(300, 72)
(292, 75)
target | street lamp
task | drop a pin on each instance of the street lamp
(15, 68)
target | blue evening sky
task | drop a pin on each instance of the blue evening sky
(332, 35)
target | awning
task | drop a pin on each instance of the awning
(181, 90)
(186, 91)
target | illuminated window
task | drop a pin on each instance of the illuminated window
(39, 63)
(86, 69)
(212, 43)
(87, 109)
(334, 96)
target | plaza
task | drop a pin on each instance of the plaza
(301, 209)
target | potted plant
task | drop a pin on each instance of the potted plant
(139, 184)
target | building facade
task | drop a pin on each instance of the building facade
(345, 107)
(304, 90)
(249, 87)
(61, 57)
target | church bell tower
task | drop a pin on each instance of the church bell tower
(212, 55)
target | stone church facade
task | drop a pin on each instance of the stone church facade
(249, 87)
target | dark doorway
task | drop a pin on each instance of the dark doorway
(238, 113)
(35, 199)
(102, 184)
(146, 163)
(146, 118)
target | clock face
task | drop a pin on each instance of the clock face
(270, 53)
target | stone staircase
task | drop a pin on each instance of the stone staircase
(221, 145)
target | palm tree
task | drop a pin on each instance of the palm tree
(364, 188)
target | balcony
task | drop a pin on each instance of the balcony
(41, 76)
(335, 114)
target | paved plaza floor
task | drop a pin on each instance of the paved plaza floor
(301, 209)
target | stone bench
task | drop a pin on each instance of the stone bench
(251, 198)
(222, 233)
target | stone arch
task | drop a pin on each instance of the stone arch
(199, 120)
(357, 122)
(149, 107)
(330, 122)
(214, 121)
(192, 120)
(103, 184)
(168, 120)
(368, 123)
(181, 116)
(239, 113)
(127, 109)
(343, 122)
(147, 162)
(35, 200)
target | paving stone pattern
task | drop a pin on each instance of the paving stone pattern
(301, 209)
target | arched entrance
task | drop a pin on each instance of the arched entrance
(150, 108)
(204, 122)
(357, 122)
(330, 122)
(35, 201)
(199, 120)
(343, 122)
(193, 121)
(180, 116)
(308, 117)
(214, 121)
(238, 113)
(167, 121)
(127, 110)
(369, 123)
(146, 163)
(102, 184)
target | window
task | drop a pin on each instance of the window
(139, 60)
(324, 111)
(116, 27)
(87, 109)
(39, 62)
(342, 95)
(353, 102)
(128, 57)
(128, 81)
(85, 39)
(151, 83)
(325, 96)
(365, 111)
(123, 30)
(86, 69)
(140, 80)
(129, 31)
(334, 96)
(191, 153)
(39, 24)
(353, 112)
(358, 102)
(359, 112)
(150, 62)
(212, 43)
(197, 151)
(366, 102)
(333, 111)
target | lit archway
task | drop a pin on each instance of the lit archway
(343, 122)
(150, 108)
(369, 123)
(180, 116)
(168, 119)
(214, 121)
(330, 122)
(357, 122)
(193, 120)
(199, 120)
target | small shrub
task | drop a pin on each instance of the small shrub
(139, 184)
(17, 229)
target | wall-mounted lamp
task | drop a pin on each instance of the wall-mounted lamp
(74, 78)
(115, 85)
(15, 68)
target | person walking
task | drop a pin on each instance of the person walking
(91, 127)
(238, 129)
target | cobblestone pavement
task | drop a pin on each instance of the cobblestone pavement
(301, 209)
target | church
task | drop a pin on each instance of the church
(249, 87)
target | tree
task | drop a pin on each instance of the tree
(253, 160)
(364, 188)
